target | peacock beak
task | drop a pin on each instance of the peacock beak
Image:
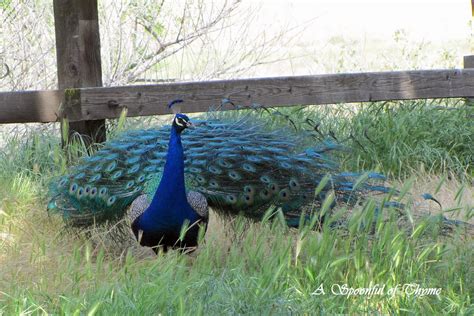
(190, 125)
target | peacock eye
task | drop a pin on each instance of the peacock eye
(179, 121)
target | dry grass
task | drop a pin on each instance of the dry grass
(37, 254)
(456, 198)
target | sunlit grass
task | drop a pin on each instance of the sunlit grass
(251, 268)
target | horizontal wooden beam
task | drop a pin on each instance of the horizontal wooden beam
(143, 100)
(30, 106)
(280, 91)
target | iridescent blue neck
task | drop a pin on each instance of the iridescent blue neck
(171, 188)
(169, 207)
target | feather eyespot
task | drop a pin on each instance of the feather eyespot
(249, 189)
(234, 175)
(273, 187)
(231, 199)
(224, 163)
(111, 166)
(95, 177)
(97, 168)
(265, 194)
(73, 188)
(93, 192)
(80, 193)
(294, 185)
(200, 179)
(116, 175)
(265, 179)
(111, 200)
(248, 167)
(248, 199)
(137, 189)
(149, 169)
(134, 168)
(215, 170)
(102, 191)
(284, 195)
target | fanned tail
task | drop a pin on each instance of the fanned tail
(100, 187)
(239, 164)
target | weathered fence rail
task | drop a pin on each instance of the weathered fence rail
(107, 102)
(86, 104)
(30, 106)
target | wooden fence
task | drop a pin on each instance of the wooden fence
(86, 104)
(142, 100)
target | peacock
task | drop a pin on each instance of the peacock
(236, 165)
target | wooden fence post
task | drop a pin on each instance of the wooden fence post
(78, 59)
(469, 63)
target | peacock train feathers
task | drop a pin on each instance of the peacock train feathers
(239, 164)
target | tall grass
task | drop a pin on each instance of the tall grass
(402, 138)
(265, 269)
(398, 138)
(257, 268)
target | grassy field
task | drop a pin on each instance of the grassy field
(263, 268)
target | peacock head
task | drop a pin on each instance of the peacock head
(181, 122)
